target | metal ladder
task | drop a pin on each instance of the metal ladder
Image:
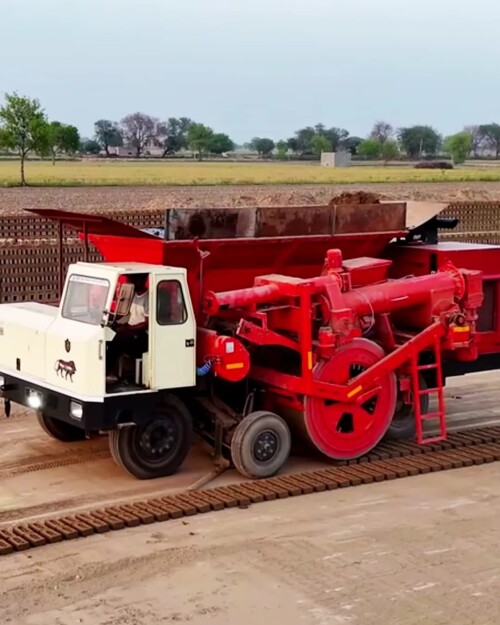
(440, 414)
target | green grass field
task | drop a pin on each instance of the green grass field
(99, 173)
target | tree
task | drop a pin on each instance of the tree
(320, 144)
(282, 148)
(418, 140)
(23, 127)
(382, 131)
(303, 139)
(89, 146)
(476, 138)
(176, 138)
(199, 138)
(459, 146)
(62, 138)
(139, 130)
(390, 150)
(220, 143)
(108, 135)
(370, 148)
(293, 144)
(262, 145)
(336, 137)
(491, 134)
(351, 144)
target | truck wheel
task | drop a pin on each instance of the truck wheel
(60, 430)
(261, 444)
(156, 446)
(403, 423)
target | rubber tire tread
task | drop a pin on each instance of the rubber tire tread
(242, 458)
(119, 444)
(60, 430)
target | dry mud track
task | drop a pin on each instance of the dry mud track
(13, 200)
(41, 478)
(401, 552)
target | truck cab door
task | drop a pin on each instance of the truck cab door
(172, 332)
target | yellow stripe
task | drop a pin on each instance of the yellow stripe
(354, 391)
(235, 365)
(310, 360)
(461, 329)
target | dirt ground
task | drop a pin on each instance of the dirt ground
(111, 198)
(40, 476)
(419, 550)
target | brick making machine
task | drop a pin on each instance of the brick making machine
(331, 326)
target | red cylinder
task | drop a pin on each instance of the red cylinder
(398, 294)
(239, 298)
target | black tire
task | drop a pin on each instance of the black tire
(403, 423)
(133, 447)
(60, 430)
(261, 444)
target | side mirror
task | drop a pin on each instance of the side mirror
(124, 301)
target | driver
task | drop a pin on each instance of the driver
(131, 330)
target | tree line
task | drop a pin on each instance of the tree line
(25, 129)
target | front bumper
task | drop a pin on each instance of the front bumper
(98, 415)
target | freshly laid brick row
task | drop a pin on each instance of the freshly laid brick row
(399, 460)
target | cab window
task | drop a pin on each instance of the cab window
(170, 304)
(85, 299)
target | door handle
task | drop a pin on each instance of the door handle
(100, 349)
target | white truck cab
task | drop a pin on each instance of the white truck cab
(107, 359)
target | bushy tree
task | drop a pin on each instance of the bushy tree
(176, 134)
(320, 144)
(220, 144)
(351, 144)
(418, 140)
(302, 142)
(282, 149)
(262, 145)
(90, 146)
(199, 139)
(459, 146)
(108, 134)
(390, 150)
(62, 138)
(23, 127)
(370, 148)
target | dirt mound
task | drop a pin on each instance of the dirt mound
(361, 197)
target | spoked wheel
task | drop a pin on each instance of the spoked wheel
(403, 422)
(158, 445)
(343, 431)
(261, 444)
(60, 430)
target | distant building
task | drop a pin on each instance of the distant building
(335, 159)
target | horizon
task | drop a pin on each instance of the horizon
(265, 69)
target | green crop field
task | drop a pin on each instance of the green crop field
(102, 173)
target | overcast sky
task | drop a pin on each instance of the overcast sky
(256, 67)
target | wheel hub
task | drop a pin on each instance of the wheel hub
(346, 430)
(265, 446)
(157, 438)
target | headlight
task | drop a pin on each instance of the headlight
(2, 380)
(34, 398)
(76, 410)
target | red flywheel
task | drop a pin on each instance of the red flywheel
(348, 430)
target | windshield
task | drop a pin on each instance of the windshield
(85, 299)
